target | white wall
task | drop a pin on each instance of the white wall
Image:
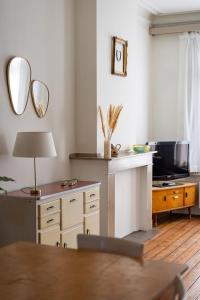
(165, 59)
(143, 80)
(43, 32)
(85, 89)
(124, 19)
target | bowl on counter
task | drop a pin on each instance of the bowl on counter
(141, 148)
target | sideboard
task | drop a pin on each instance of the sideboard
(182, 195)
(54, 218)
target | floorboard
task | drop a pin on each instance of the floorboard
(178, 241)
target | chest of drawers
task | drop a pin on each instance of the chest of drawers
(172, 198)
(55, 218)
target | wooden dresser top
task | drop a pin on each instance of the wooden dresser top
(52, 189)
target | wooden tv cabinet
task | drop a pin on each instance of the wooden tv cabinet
(172, 198)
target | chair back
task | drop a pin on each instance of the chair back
(180, 288)
(111, 245)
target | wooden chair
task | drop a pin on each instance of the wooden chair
(180, 288)
(108, 244)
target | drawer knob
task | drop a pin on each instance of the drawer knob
(92, 195)
(49, 221)
(165, 198)
(186, 194)
(72, 200)
(92, 206)
(50, 207)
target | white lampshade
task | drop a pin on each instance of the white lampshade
(34, 144)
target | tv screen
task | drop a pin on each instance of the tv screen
(171, 160)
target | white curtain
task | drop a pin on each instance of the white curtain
(189, 96)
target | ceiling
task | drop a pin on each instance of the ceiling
(159, 7)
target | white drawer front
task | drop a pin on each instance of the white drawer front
(91, 195)
(49, 220)
(91, 206)
(69, 238)
(47, 208)
(91, 224)
(71, 210)
(50, 237)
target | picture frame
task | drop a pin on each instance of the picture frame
(119, 56)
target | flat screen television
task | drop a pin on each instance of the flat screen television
(171, 160)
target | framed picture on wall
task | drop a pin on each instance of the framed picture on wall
(119, 56)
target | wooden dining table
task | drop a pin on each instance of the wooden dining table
(29, 271)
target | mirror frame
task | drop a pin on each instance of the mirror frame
(8, 84)
(33, 98)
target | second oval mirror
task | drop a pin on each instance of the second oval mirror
(19, 78)
(40, 95)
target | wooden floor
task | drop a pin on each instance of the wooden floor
(179, 241)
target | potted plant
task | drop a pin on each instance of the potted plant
(4, 179)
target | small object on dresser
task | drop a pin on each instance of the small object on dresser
(141, 148)
(115, 150)
(69, 182)
(164, 183)
(4, 179)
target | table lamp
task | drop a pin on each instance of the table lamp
(34, 144)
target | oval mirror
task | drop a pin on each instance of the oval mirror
(40, 95)
(19, 78)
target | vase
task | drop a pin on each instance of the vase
(107, 149)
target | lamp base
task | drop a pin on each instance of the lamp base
(35, 192)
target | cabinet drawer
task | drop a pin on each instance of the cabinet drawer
(91, 206)
(175, 201)
(71, 210)
(91, 195)
(47, 208)
(69, 238)
(91, 224)
(159, 201)
(49, 220)
(190, 196)
(50, 237)
(175, 191)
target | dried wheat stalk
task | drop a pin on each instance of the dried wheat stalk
(112, 119)
(102, 122)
